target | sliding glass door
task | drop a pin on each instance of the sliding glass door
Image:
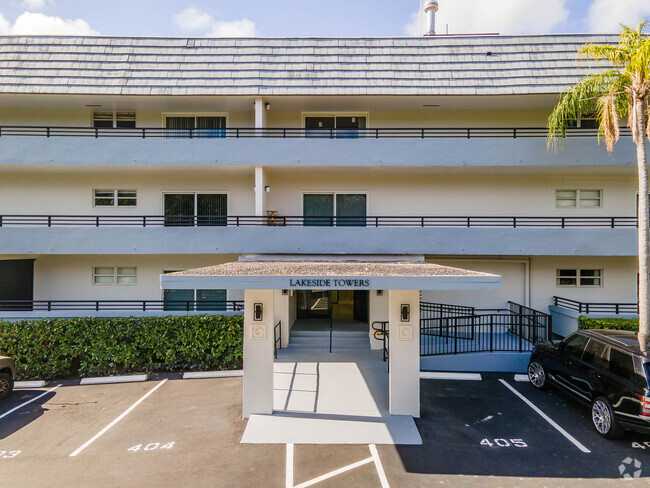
(328, 209)
(204, 209)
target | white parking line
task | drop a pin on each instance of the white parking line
(289, 470)
(124, 414)
(547, 418)
(29, 401)
(380, 468)
(334, 473)
(522, 378)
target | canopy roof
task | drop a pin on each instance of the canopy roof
(330, 275)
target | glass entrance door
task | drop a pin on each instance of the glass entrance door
(314, 304)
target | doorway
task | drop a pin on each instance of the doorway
(341, 306)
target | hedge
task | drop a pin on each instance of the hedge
(608, 323)
(79, 347)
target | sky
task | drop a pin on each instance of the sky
(335, 18)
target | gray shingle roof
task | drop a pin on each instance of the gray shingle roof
(294, 66)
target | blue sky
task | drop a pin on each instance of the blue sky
(311, 18)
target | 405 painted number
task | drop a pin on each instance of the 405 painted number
(9, 454)
(503, 443)
(151, 446)
(638, 445)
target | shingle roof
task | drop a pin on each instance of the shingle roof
(458, 65)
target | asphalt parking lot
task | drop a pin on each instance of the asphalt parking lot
(187, 432)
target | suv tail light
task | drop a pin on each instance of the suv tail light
(645, 404)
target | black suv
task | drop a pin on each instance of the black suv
(603, 368)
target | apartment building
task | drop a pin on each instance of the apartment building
(124, 159)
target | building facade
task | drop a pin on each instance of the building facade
(123, 159)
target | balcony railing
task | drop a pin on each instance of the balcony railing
(282, 221)
(596, 307)
(287, 133)
(122, 305)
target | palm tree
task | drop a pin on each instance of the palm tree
(622, 90)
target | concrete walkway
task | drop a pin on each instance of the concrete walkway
(338, 398)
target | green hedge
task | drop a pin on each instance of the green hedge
(608, 323)
(79, 347)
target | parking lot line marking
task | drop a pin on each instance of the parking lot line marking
(124, 414)
(547, 418)
(29, 401)
(522, 378)
(289, 470)
(380, 468)
(334, 473)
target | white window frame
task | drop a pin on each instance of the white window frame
(578, 197)
(195, 115)
(116, 275)
(578, 278)
(114, 112)
(336, 114)
(346, 192)
(115, 198)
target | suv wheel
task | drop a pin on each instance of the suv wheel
(604, 420)
(537, 375)
(6, 385)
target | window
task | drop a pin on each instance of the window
(341, 126)
(112, 198)
(597, 354)
(340, 209)
(575, 345)
(195, 126)
(621, 364)
(112, 275)
(114, 119)
(578, 198)
(199, 300)
(206, 209)
(579, 277)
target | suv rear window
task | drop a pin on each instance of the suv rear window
(596, 354)
(621, 364)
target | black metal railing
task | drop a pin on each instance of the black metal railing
(291, 133)
(277, 338)
(596, 307)
(282, 221)
(513, 330)
(123, 305)
(380, 333)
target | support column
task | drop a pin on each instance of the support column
(281, 311)
(404, 350)
(260, 113)
(260, 192)
(258, 353)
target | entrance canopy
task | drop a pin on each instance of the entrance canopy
(309, 275)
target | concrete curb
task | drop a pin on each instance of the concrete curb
(29, 384)
(435, 375)
(104, 380)
(213, 374)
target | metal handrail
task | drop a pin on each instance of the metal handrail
(300, 220)
(277, 337)
(123, 305)
(291, 132)
(381, 334)
(596, 307)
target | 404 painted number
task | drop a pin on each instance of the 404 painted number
(503, 443)
(151, 446)
(9, 454)
(644, 445)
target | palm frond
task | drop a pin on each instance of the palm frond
(640, 60)
(608, 118)
(600, 52)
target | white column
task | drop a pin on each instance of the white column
(281, 313)
(258, 354)
(260, 113)
(378, 312)
(404, 350)
(260, 192)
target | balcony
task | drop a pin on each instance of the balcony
(482, 147)
(445, 235)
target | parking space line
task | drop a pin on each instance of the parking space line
(334, 473)
(289, 470)
(380, 468)
(547, 418)
(29, 401)
(124, 414)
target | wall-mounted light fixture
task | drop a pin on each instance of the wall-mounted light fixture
(267, 106)
(405, 312)
(267, 189)
(380, 293)
(285, 292)
(257, 312)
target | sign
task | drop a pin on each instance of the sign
(342, 283)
